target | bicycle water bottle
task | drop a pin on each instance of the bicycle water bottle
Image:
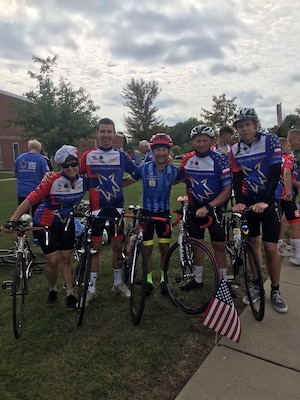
(236, 237)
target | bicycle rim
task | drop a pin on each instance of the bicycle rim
(253, 277)
(179, 273)
(83, 281)
(19, 292)
(138, 284)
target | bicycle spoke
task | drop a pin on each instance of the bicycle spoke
(179, 274)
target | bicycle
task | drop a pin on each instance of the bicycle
(179, 267)
(242, 255)
(25, 267)
(135, 262)
(83, 252)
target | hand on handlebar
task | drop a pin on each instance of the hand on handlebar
(11, 225)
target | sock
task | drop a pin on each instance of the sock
(70, 292)
(92, 287)
(223, 272)
(117, 276)
(274, 288)
(54, 288)
(296, 247)
(198, 269)
(162, 276)
(149, 278)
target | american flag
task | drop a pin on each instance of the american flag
(221, 315)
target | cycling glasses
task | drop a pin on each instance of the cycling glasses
(72, 164)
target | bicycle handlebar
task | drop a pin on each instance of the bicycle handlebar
(206, 225)
(150, 218)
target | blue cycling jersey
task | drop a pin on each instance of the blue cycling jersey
(156, 186)
(254, 162)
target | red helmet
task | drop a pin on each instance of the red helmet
(161, 139)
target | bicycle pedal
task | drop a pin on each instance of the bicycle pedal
(7, 285)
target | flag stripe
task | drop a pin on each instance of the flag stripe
(221, 315)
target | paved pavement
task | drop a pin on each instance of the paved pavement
(265, 364)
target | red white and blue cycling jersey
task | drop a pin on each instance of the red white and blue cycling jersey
(288, 162)
(156, 186)
(254, 161)
(216, 149)
(205, 176)
(58, 198)
(105, 169)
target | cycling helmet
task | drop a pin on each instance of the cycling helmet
(161, 140)
(244, 113)
(202, 130)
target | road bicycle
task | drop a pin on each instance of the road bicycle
(179, 268)
(243, 256)
(25, 266)
(83, 252)
(135, 262)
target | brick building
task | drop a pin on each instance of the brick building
(11, 142)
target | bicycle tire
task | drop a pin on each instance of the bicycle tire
(253, 277)
(138, 283)
(82, 282)
(177, 274)
(125, 254)
(19, 291)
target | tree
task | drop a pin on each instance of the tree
(289, 122)
(139, 97)
(180, 133)
(222, 112)
(58, 114)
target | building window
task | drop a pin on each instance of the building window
(16, 150)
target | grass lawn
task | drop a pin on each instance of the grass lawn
(107, 357)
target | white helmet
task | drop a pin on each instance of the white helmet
(244, 113)
(202, 130)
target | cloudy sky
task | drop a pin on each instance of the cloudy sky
(194, 49)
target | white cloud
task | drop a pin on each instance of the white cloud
(194, 50)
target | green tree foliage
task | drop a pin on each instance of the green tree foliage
(58, 114)
(222, 112)
(139, 97)
(289, 122)
(180, 133)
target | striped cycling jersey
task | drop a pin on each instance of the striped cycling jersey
(58, 197)
(254, 161)
(205, 176)
(105, 168)
(156, 186)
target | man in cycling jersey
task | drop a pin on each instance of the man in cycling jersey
(256, 166)
(208, 182)
(104, 168)
(157, 176)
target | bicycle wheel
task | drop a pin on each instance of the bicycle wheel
(19, 291)
(83, 272)
(125, 254)
(138, 282)
(253, 281)
(178, 271)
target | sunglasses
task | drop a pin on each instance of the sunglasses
(73, 164)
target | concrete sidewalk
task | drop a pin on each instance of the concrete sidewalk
(266, 363)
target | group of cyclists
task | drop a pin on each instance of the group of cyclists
(251, 168)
